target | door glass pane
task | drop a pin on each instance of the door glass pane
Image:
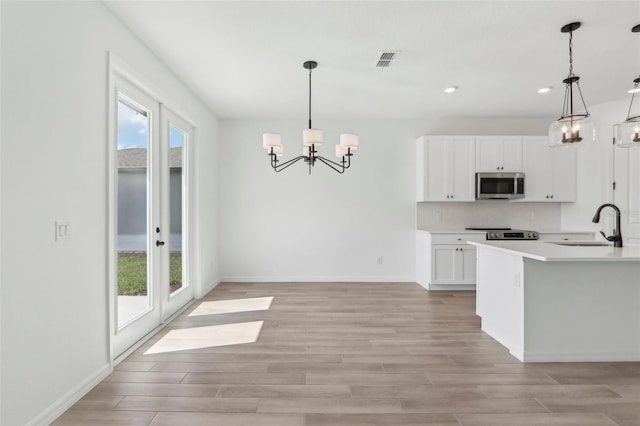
(177, 140)
(133, 257)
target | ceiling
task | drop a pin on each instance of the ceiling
(244, 58)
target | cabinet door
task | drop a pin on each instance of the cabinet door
(511, 154)
(462, 171)
(499, 154)
(453, 264)
(488, 149)
(433, 180)
(537, 169)
(564, 173)
(467, 264)
(445, 168)
(443, 264)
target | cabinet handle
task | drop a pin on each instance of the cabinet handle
(552, 196)
(547, 196)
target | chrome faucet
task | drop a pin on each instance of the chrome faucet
(617, 235)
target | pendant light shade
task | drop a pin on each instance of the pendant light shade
(575, 124)
(628, 132)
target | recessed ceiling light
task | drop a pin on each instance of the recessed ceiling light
(634, 90)
(545, 89)
(450, 89)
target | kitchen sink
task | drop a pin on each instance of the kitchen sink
(583, 243)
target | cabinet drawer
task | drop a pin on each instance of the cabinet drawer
(456, 238)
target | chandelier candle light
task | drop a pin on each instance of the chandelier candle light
(628, 132)
(574, 125)
(311, 139)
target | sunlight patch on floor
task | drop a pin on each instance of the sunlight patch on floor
(207, 337)
(213, 307)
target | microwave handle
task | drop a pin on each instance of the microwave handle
(519, 182)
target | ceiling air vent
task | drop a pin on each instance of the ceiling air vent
(386, 58)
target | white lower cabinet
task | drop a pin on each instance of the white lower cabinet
(453, 264)
(445, 261)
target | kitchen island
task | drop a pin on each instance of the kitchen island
(555, 303)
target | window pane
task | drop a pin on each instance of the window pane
(176, 208)
(133, 144)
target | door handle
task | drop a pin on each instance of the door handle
(159, 243)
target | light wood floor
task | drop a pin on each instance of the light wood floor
(347, 354)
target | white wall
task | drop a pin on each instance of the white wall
(596, 169)
(290, 226)
(54, 167)
(325, 226)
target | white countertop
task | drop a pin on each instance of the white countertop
(451, 231)
(468, 231)
(548, 252)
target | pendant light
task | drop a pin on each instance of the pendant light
(311, 139)
(574, 125)
(628, 132)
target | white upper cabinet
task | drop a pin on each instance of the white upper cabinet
(498, 154)
(445, 168)
(550, 173)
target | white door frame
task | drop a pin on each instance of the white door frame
(171, 303)
(121, 74)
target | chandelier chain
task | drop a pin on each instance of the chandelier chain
(570, 53)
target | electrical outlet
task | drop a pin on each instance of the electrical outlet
(380, 260)
(63, 230)
(438, 215)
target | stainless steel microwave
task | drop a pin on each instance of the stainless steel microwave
(499, 186)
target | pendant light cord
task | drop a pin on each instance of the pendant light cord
(309, 98)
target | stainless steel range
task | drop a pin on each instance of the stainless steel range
(497, 233)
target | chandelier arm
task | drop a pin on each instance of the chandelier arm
(340, 167)
(340, 164)
(280, 167)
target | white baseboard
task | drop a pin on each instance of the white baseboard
(328, 279)
(439, 287)
(62, 404)
(580, 357)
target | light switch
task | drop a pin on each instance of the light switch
(63, 230)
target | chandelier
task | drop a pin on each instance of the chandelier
(628, 132)
(574, 125)
(311, 139)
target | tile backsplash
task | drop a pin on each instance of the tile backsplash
(487, 213)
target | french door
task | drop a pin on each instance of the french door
(150, 273)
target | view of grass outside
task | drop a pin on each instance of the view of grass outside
(132, 273)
